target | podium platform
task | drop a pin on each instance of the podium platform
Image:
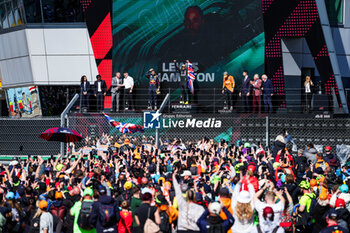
(184, 108)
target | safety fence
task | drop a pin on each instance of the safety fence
(20, 137)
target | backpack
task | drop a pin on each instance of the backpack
(273, 231)
(107, 215)
(59, 211)
(305, 218)
(164, 226)
(216, 228)
(150, 226)
(84, 215)
(286, 221)
(35, 225)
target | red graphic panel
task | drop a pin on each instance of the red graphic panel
(105, 70)
(102, 40)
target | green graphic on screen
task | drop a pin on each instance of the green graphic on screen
(216, 36)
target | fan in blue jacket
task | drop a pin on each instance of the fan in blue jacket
(211, 219)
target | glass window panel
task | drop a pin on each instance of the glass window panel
(335, 11)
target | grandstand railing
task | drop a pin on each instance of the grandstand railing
(211, 100)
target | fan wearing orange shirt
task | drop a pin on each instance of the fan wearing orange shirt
(227, 90)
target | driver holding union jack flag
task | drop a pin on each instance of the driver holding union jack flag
(186, 80)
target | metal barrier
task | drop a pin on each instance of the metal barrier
(20, 137)
(212, 100)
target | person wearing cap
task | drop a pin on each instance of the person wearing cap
(268, 224)
(164, 208)
(211, 220)
(341, 193)
(189, 211)
(153, 88)
(332, 223)
(256, 84)
(104, 201)
(330, 158)
(126, 194)
(75, 211)
(183, 71)
(228, 86)
(46, 219)
(243, 208)
(269, 201)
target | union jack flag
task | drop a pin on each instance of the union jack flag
(124, 127)
(190, 77)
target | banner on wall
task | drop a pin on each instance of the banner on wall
(23, 102)
(214, 35)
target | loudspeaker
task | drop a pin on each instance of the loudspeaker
(321, 102)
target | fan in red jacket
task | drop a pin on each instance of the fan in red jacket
(252, 179)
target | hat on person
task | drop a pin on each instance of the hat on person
(276, 165)
(244, 197)
(300, 151)
(127, 185)
(161, 200)
(313, 183)
(88, 192)
(225, 73)
(332, 214)
(43, 205)
(268, 212)
(58, 195)
(59, 167)
(10, 195)
(339, 203)
(183, 65)
(283, 178)
(251, 168)
(186, 173)
(328, 148)
(323, 196)
(102, 189)
(215, 208)
(304, 184)
(146, 190)
(247, 145)
(344, 188)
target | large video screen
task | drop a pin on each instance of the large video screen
(214, 35)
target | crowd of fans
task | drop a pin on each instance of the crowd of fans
(203, 186)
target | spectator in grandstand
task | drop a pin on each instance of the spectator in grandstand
(116, 91)
(308, 91)
(228, 86)
(267, 89)
(128, 84)
(100, 92)
(256, 93)
(153, 89)
(84, 92)
(244, 92)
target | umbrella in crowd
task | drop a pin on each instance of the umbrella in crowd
(61, 135)
(124, 127)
